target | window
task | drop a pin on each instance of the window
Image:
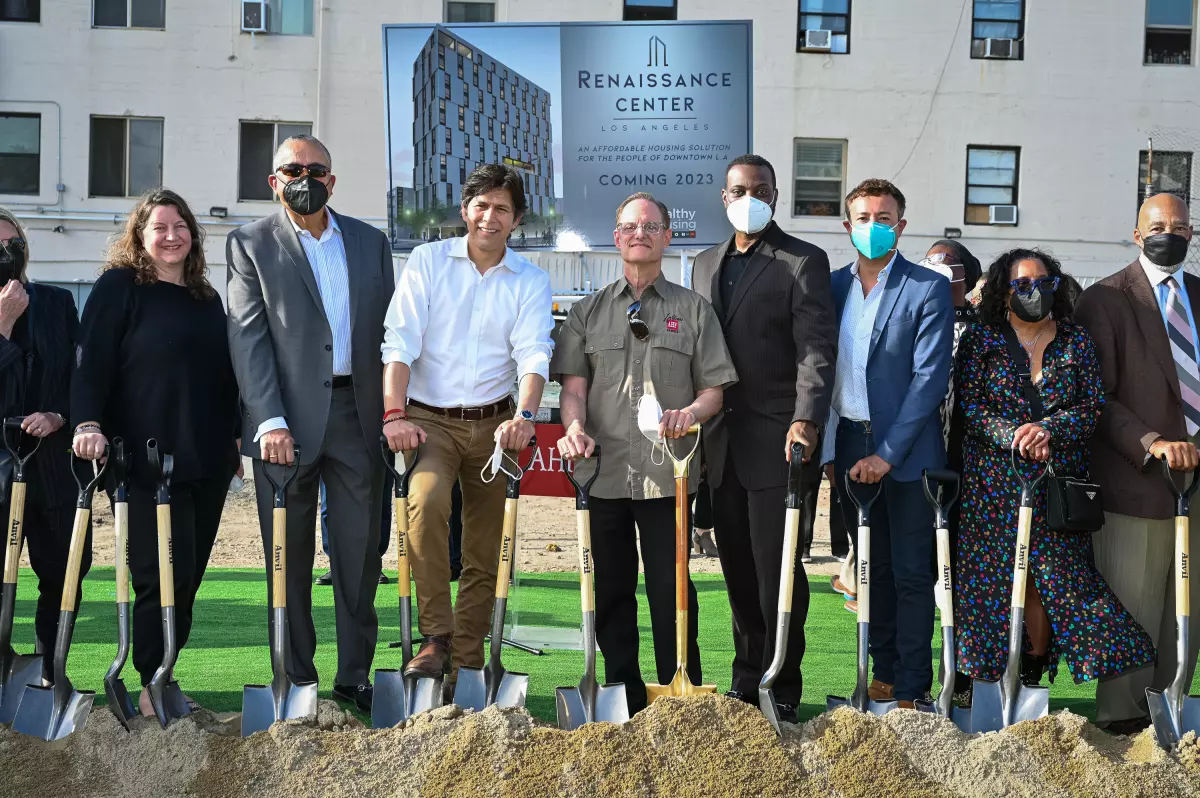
(650, 9)
(290, 17)
(256, 155)
(470, 12)
(1172, 175)
(820, 169)
(998, 19)
(1169, 31)
(129, 13)
(20, 153)
(20, 10)
(462, 118)
(824, 15)
(991, 180)
(126, 156)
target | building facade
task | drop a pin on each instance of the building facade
(1005, 122)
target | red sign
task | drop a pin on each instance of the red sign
(546, 476)
(673, 325)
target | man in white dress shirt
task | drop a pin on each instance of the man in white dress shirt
(470, 320)
(307, 296)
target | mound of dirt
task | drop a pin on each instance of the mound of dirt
(701, 746)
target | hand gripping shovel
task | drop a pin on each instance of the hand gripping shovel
(263, 704)
(941, 491)
(54, 712)
(114, 688)
(860, 700)
(396, 696)
(16, 670)
(680, 684)
(165, 695)
(787, 580)
(589, 702)
(1173, 712)
(478, 689)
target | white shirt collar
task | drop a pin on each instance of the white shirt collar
(511, 261)
(883, 273)
(331, 220)
(1156, 275)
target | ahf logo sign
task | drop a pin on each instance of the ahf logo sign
(658, 53)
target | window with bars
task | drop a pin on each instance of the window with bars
(256, 151)
(1172, 174)
(823, 26)
(126, 156)
(1169, 25)
(998, 29)
(819, 171)
(992, 179)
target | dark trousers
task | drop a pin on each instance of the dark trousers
(47, 532)
(839, 538)
(195, 516)
(385, 525)
(901, 579)
(353, 474)
(615, 554)
(749, 532)
(839, 533)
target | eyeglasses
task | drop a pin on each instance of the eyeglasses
(651, 228)
(1026, 287)
(639, 328)
(294, 170)
(941, 259)
(15, 244)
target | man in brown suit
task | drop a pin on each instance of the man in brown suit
(1143, 320)
(771, 293)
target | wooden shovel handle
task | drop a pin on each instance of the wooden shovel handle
(945, 596)
(1183, 567)
(583, 525)
(1021, 563)
(403, 579)
(279, 558)
(166, 557)
(681, 543)
(70, 594)
(507, 546)
(16, 523)
(121, 525)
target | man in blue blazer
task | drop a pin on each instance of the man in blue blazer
(895, 333)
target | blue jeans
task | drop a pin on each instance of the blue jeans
(901, 634)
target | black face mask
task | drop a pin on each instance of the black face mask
(1165, 250)
(305, 195)
(12, 258)
(1032, 308)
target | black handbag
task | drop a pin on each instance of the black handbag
(1073, 504)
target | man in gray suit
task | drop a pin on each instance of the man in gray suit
(308, 290)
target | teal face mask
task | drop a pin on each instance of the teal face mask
(872, 239)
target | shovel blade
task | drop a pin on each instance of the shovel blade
(471, 690)
(38, 715)
(26, 670)
(258, 705)
(1190, 721)
(880, 707)
(1031, 703)
(986, 713)
(168, 702)
(389, 705)
(1167, 726)
(119, 701)
(612, 703)
(679, 685)
(512, 690)
(832, 702)
(571, 713)
(426, 694)
(766, 703)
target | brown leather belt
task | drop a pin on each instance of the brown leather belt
(504, 406)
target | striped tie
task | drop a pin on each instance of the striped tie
(1184, 352)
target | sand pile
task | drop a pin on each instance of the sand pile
(707, 746)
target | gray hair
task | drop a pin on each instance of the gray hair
(7, 216)
(279, 160)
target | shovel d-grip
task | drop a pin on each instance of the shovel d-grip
(16, 670)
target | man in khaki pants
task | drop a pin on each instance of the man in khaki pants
(470, 319)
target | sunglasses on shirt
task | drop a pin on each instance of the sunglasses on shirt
(639, 328)
(294, 170)
(1026, 287)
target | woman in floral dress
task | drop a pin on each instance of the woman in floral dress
(1070, 611)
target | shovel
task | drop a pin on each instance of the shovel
(478, 689)
(680, 683)
(941, 491)
(396, 696)
(1173, 712)
(263, 704)
(16, 670)
(54, 712)
(114, 688)
(589, 702)
(787, 580)
(165, 695)
(860, 700)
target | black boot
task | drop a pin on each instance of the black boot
(1032, 668)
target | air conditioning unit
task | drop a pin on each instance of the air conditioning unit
(999, 48)
(818, 40)
(1002, 214)
(254, 16)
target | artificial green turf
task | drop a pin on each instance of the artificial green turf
(228, 645)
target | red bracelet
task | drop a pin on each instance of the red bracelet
(396, 413)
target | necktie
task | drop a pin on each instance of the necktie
(1183, 350)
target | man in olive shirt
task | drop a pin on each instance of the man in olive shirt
(640, 335)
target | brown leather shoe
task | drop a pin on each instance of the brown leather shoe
(433, 660)
(906, 705)
(876, 691)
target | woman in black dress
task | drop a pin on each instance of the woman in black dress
(153, 362)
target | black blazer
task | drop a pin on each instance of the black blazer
(782, 335)
(51, 322)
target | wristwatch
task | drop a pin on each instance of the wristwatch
(525, 415)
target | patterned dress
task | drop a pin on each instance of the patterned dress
(1089, 626)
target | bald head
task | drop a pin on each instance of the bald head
(1164, 213)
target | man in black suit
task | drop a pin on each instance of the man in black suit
(771, 293)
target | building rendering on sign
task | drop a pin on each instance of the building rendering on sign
(470, 109)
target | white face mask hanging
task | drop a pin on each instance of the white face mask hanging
(496, 465)
(649, 415)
